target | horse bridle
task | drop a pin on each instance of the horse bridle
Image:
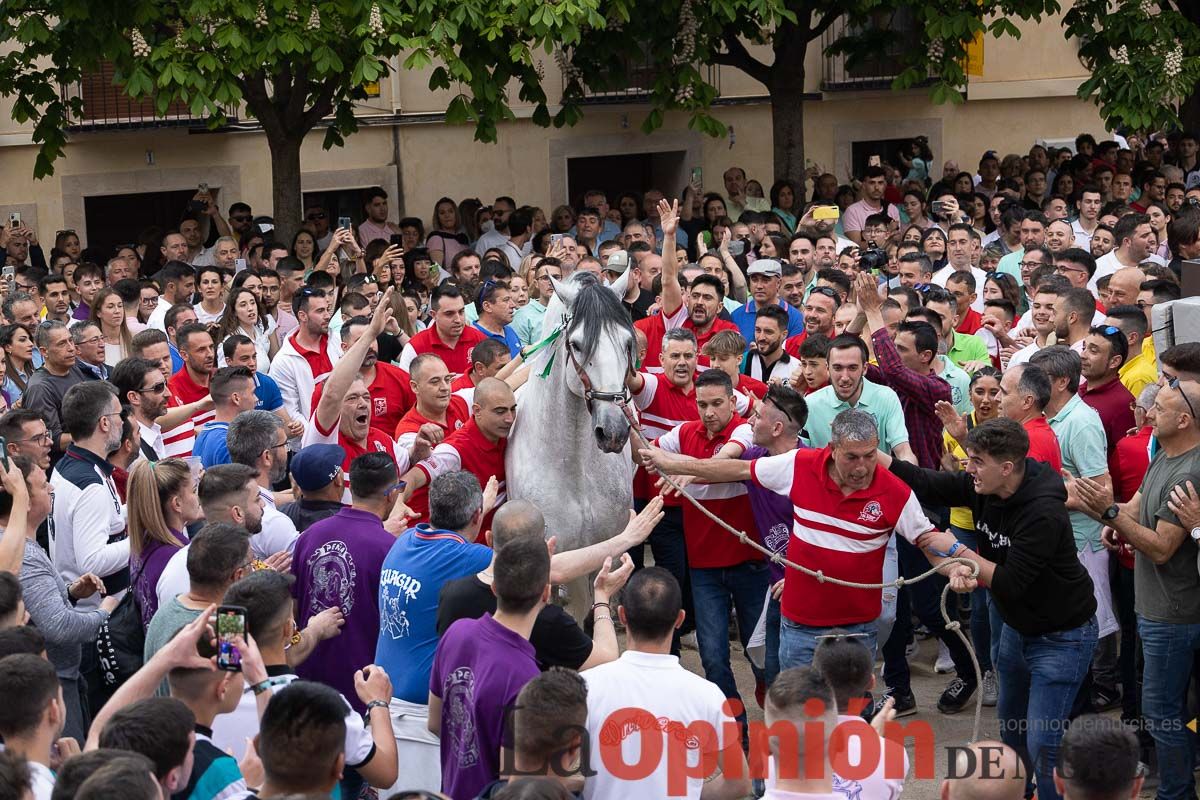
(621, 398)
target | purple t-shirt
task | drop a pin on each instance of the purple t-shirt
(772, 515)
(337, 562)
(480, 668)
(148, 568)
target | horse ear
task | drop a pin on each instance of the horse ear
(620, 285)
(565, 290)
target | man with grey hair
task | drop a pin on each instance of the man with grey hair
(49, 384)
(258, 439)
(21, 309)
(118, 269)
(844, 512)
(225, 253)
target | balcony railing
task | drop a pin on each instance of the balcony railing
(105, 106)
(876, 71)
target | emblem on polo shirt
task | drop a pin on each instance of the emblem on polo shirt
(333, 573)
(871, 512)
(380, 406)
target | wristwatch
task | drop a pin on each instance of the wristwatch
(1196, 533)
(1110, 513)
(375, 704)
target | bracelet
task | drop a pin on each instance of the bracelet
(597, 605)
(602, 619)
(375, 704)
(260, 687)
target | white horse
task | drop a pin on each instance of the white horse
(568, 452)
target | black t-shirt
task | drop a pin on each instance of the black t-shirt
(389, 347)
(638, 308)
(557, 639)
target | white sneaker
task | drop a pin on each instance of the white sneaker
(944, 664)
(990, 690)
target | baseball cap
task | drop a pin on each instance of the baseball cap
(765, 266)
(315, 466)
(618, 262)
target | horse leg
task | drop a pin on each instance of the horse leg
(579, 597)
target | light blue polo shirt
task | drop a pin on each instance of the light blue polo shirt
(527, 322)
(960, 385)
(880, 402)
(1084, 453)
(745, 315)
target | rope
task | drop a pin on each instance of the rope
(778, 558)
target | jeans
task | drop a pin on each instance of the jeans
(981, 627)
(670, 553)
(1131, 674)
(771, 659)
(1039, 677)
(925, 598)
(891, 595)
(797, 642)
(1168, 649)
(713, 590)
(995, 628)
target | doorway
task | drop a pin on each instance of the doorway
(114, 220)
(636, 172)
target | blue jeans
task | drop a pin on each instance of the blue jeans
(1168, 649)
(713, 591)
(797, 642)
(995, 628)
(1039, 677)
(981, 633)
(771, 659)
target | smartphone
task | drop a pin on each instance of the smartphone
(826, 212)
(873, 161)
(239, 265)
(14, 219)
(9, 273)
(343, 222)
(737, 247)
(4, 452)
(196, 466)
(937, 208)
(698, 176)
(556, 238)
(231, 623)
(396, 239)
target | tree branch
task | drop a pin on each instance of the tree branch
(823, 23)
(322, 107)
(254, 88)
(294, 109)
(737, 55)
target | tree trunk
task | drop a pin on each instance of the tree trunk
(787, 127)
(285, 184)
(1189, 112)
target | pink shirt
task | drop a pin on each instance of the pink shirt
(856, 215)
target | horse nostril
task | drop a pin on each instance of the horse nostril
(600, 432)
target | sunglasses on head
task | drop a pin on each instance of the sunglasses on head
(1174, 384)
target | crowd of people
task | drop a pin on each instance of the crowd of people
(870, 380)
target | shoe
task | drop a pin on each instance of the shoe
(956, 696)
(688, 641)
(944, 664)
(1105, 697)
(903, 704)
(990, 690)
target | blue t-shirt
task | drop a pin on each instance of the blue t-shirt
(211, 446)
(267, 391)
(420, 563)
(509, 338)
(745, 316)
(176, 359)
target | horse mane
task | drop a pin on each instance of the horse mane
(594, 308)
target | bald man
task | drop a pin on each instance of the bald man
(477, 447)
(991, 771)
(1123, 287)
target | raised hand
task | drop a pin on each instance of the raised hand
(668, 217)
(955, 425)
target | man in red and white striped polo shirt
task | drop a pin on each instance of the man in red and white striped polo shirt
(844, 513)
(438, 411)
(723, 571)
(190, 385)
(477, 447)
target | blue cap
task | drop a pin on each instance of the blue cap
(315, 466)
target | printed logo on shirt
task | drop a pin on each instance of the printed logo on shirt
(851, 790)
(872, 512)
(333, 572)
(395, 590)
(380, 406)
(458, 697)
(777, 538)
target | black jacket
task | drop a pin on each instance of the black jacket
(1039, 585)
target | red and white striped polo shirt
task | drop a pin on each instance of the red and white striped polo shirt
(844, 536)
(465, 449)
(708, 544)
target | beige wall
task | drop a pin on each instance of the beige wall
(1026, 92)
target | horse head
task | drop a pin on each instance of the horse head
(598, 341)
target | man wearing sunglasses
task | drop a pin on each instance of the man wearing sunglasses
(1105, 351)
(316, 219)
(141, 385)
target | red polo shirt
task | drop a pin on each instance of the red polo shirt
(751, 386)
(391, 396)
(655, 327)
(1043, 444)
(185, 390)
(971, 322)
(457, 358)
(318, 360)
(465, 449)
(457, 415)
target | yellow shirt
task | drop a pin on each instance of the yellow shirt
(1139, 372)
(960, 516)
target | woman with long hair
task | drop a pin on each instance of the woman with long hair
(418, 268)
(446, 237)
(773, 245)
(244, 314)
(933, 244)
(18, 360)
(981, 220)
(964, 182)
(630, 206)
(304, 247)
(783, 203)
(210, 282)
(161, 503)
(108, 313)
(1001, 286)
(67, 242)
(914, 208)
(562, 219)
